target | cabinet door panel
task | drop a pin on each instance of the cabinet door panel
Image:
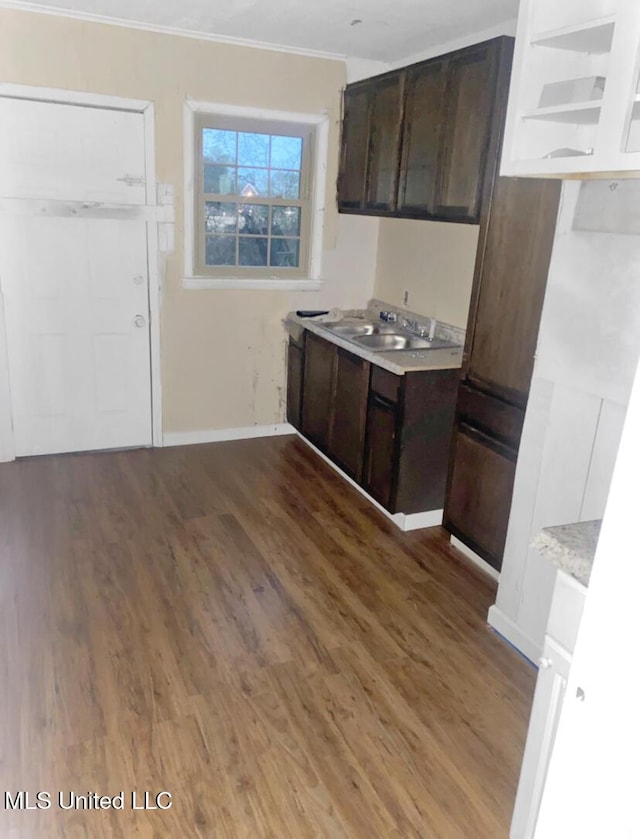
(422, 140)
(479, 492)
(346, 443)
(470, 95)
(386, 114)
(319, 366)
(512, 279)
(543, 724)
(380, 450)
(352, 180)
(295, 360)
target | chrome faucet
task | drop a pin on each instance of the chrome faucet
(389, 317)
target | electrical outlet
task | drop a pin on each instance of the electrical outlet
(405, 298)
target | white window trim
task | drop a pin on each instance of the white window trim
(321, 123)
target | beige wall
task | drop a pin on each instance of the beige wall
(222, 351)
(433, 261)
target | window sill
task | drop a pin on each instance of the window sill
(271, 284)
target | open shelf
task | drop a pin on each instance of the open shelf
(578, 113)
(595, 37)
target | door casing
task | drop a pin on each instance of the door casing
(154, 214)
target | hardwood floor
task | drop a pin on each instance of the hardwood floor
(234, 624)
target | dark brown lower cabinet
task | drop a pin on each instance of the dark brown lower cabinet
(349, 414)
(480, 490)
(390, 433)
(319, 370)
(380, 453)
(295, 370)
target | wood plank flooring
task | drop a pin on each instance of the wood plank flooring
(234, 624)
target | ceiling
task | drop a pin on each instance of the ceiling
(368, 29)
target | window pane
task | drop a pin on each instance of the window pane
(285, 253)
(252, 251)
(285, 185)
(220, 250)
(220, 217)
(253, 149)
(252, 182)
(253, 218)
(285, 221)
(221, 180)
(286, 152)
(218, 146)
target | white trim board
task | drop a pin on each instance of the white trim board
(167, 30)
(316, 235)
(404, 521)
(222, 435)
(155, 216)
(475, 558)
(513, 634)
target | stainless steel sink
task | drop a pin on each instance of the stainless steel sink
(384, 337)
(349, 329)
(378, 343)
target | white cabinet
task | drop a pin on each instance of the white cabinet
(562, 630)
(574, 100)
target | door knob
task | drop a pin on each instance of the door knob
(140, 321)
(545, 663)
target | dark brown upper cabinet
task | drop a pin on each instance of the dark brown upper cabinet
(424, 125)
(355, 146)
(424, 148)
(384, 143)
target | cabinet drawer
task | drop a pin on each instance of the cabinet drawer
(493, 416)
(386, 384)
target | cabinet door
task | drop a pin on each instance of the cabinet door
(545, 714)
(470, 98)
(319, 368)
(380, 450)
(352, 180)
(295, 361)
(424, 117)
(511, 277)
(480, 486)
(384, 145)
(346, 440)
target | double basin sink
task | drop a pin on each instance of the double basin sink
(384, 337)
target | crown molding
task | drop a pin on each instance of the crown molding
(54, 11)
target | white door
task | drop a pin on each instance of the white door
(75, 287)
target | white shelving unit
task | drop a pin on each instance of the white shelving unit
(564, 42)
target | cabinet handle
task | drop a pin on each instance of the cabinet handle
(545, 663)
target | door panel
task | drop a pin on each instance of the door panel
(382, 420)
(423, 127)
(355, 147)
(384, 144)
(68, 152)
(346, 442)
(319, 368)
(79, 366)
(479, 492)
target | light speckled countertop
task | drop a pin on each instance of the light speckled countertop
(396, 361)
(571, 547)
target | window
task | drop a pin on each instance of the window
(253, 203)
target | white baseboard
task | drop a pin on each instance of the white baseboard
(220, 435)
(512, 633)
(473, 556)
(410, 521)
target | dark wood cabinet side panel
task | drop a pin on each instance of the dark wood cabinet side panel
(346, 437)
(425, 439)
(295, 363)
(470, 98)
(319, 369)
(380, 451)
(352, 179)
(479, 494)
(513, 278)
(424, 118)
(384, 143)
